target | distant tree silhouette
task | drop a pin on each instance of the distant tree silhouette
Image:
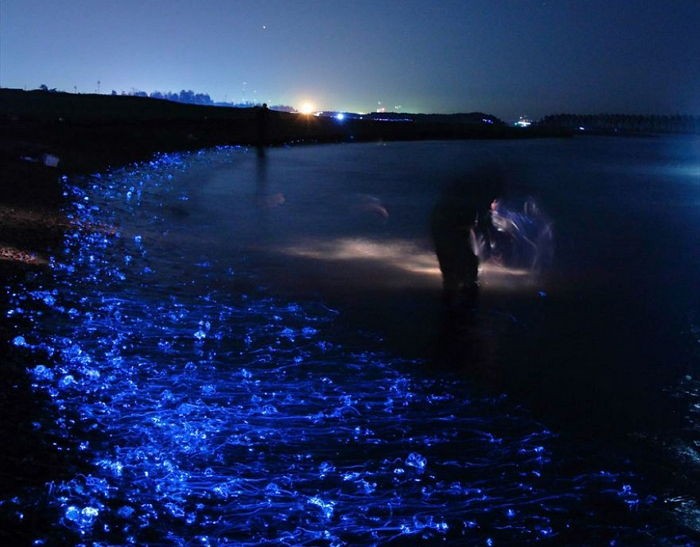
(189, 96)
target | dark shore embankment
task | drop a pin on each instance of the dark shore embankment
(89, 132)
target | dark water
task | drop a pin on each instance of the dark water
(246, 349)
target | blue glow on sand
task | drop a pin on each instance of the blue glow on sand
(210, 415)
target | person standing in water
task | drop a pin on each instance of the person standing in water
(262, 115)
(459, 219)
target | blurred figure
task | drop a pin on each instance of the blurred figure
(521, 237)
(460, 224)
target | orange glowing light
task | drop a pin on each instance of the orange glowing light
(307, 108)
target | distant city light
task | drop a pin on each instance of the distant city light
(307, 108)
(340, 116)
(523, 122)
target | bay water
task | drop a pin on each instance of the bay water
(250, 347)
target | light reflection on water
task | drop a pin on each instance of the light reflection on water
(212, 411)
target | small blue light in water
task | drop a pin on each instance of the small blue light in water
(325, 468)
(340, 116)
(272, 490)
(66, 381)
(544, 531)
(326, 507)
(416, 461)
(126, 512)
(19, 341)
(84, 518)
(72, 513)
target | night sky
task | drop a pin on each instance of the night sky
(503, 57)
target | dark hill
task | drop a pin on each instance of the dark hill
(89, 132)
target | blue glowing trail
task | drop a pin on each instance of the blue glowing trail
(210, 412)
